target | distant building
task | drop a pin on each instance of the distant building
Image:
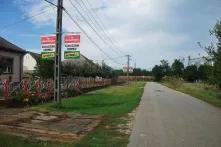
(30, 62)
(11, 58)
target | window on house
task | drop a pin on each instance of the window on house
(6, 65)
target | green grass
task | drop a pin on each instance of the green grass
(15, 141)
(114, 103)
(207, 93)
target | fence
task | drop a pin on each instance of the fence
(45, 88)
(137, 78)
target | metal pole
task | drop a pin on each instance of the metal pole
(57, 72)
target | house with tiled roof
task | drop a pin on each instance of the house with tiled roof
(11, 61)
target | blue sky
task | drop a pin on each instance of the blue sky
(150, 30)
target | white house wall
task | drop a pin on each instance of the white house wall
(29, 63)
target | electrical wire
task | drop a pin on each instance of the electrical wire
(106, 59)
(91, 26)
(102, 26)
(90, 13)
(75, 22)
(50, 3)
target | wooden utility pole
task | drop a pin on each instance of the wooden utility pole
(189, 60)
(128, 66)
(57, 72)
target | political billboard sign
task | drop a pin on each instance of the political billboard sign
(48, 45)
(72, 54)
(72, 41)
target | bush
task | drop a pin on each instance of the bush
(219, 95)
(191, 73)
(70, 93)
(158, 73)
(33, 100)
(175, 82)
(16, 101)
(1, 92)
(21, 99)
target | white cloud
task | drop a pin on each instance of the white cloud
(130, 22)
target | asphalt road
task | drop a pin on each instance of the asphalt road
(167, 118)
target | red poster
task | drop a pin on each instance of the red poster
(48, 39)
(72, 38)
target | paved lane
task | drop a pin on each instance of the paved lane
(167, 118)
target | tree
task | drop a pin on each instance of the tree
(215, 53)
(191, 73)
(177, 68)
(137, 72)
(45, 68)
(166, 67)
(119, 72)
(204, 72)
(106, 71)
(158, 72)
(146, 72)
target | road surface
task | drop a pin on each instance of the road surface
(167, 118)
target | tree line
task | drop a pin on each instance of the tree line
(45, 69)
(209, 72)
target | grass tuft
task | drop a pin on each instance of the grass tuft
(205, 92)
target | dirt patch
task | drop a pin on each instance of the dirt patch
(55, 126)
(126, 128)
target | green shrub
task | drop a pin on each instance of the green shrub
(34, 100)
(19, 99)
(16, 101)
(175, 82)
(1, 92)
(70, 93)
(219, 95)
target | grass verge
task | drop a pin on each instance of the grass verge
(114, 103)
(207, 93)
(15, 141)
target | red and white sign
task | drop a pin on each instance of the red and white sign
(48, 43)
(72, 41)
(48, 39)
(130, 69)
(72, 38)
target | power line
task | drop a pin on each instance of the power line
(102, 25)
(81, 7)
(106, 59)
(75, 22)
(50, 3)
(91, 26)
(128, 65)
(90, 15)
